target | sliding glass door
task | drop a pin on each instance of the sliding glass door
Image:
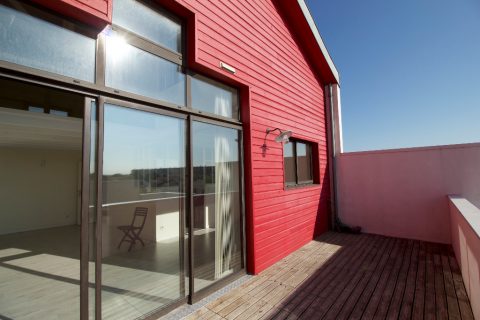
(104, 202)
(40, 216)
(143, 209)
(217, 249)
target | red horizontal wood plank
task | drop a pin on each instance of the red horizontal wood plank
(96, 13)
(284, 92)
(213, 57)
(226, 20)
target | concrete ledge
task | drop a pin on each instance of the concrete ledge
(469, 212)
(412, 149)
(465, 231)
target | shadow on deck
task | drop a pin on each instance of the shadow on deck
(343, 276)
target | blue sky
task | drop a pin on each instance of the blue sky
(410, 70)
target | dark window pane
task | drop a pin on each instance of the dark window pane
(36, 43)
(289, 162)
(131, 69)
(148, 23)
(214, 98)
(304, 162)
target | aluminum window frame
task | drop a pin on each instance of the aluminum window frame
(38, 12)
(98, 87)
(102, 94)
(235, 95)
(299, 183)
(163, 12)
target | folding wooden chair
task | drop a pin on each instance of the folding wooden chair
(132, 231)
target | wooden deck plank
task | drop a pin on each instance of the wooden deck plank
(237, 302)
(327, 297)
(334, 262)
(277, 295)
(320, 278)
(452, 302)
(252, 311)
(430, 312)
(337, 264)
(293, 299)
(463, 302)
(387, 294)
(297, 259)
(334, 268)
(346, 301)
(210, 315)
(304, 304)
(352, 277)
(420, 283)
(440, 297)
(396, 302)
(374, 300)
(409, 293)
(362, 301)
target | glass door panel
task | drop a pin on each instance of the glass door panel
(40, 201)
(142, 212)
(216, 203)
(92, 212)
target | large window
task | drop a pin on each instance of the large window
(143, 205)
(216, 203)
(37, 43)
(140, 56)
(297, 156)
(153, 25)
(131, 69)
(213, 97)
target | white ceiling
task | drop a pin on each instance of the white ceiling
(20, 128)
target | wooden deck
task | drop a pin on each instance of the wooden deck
(341, 276)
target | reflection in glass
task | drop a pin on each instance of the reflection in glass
(215, 98)
(216, 225)
(36, 43)
(304, 160)
(143, 202)
(289, 162)
(92, 218)
(131, 69)
(148, 23)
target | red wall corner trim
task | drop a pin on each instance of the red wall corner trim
(96, 13)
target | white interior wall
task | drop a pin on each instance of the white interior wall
(38, 188)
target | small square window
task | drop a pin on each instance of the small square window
(59, 113)
(214, 97)
(298, 163)
(36, 109)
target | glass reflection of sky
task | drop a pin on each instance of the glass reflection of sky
(204, 136)
(136, 139)
(301, 149)
(288, 150)
(134, 70)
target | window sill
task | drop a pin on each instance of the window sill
(301, 186)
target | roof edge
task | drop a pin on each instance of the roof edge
(318, 38)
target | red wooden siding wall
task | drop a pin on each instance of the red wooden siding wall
(93, 12)
(279, 89)
(284, 92)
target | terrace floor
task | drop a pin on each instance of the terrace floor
(344, 276)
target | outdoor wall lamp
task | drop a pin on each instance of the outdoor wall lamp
(282, 137)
